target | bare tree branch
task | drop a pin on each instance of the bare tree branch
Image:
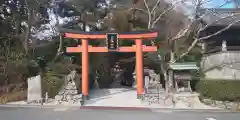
(164, 12)
(149, 13)
(213, 11)
(155, 6)
(206, 37)
(160, 16)
(220, 31)
(142, 10)
(188, 50)
(59, 51)
(218, 20)
(195, 24)
(183, 32)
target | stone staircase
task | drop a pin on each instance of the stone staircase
(155, 94)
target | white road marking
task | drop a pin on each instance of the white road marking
(60, 109)
(64, 109)
(163, 111)
(211, 119)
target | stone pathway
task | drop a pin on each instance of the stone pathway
(115, 97)
(126, 97)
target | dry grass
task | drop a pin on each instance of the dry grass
(14, 96)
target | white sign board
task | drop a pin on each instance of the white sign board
(34, 89)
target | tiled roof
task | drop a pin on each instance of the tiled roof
(184, 66)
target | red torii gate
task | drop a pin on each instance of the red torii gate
(112, 45)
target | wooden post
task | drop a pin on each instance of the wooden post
(139, 66)
(85, 68)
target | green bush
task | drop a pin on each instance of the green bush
(53, 77)
(32, 71)
(193, 83)
(60, 68)
(48, 50)
(78, 82)
(52, 83)
(105, 78)
(224, 90)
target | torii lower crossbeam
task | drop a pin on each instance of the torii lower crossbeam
(104, 49)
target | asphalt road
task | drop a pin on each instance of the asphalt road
(14, 113)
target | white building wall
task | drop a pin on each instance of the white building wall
(224, 73)
(222, 65)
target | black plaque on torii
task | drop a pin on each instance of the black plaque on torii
(112, 41)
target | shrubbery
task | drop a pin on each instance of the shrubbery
(54, 77)
(104, 79)
(32, 69)
(223, 90)
(52, 83)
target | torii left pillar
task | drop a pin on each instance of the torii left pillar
(85, 68)
(139, 68)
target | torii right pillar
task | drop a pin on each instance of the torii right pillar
(139, 68)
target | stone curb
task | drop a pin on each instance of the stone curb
(192, 110)
(121, 108)
(38, 106)
(115, 108)
(155, 109)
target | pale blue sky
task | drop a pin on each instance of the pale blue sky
(217, 3)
